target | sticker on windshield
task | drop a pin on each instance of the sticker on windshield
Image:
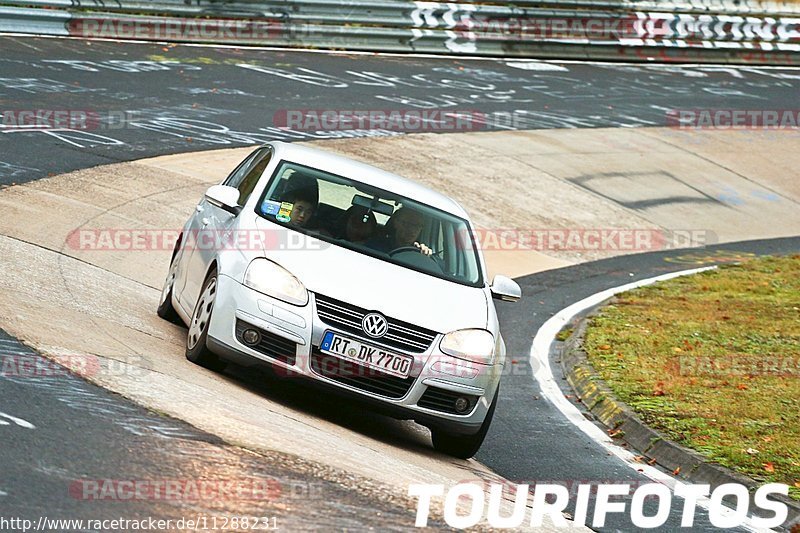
(270, 207)
(285, 211)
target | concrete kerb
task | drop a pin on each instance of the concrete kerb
(597, 397)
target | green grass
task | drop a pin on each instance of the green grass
(713, 361)
(564, 334)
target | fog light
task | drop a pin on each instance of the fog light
(251, 337)
(462, 404)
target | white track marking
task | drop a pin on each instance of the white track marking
(536, 65)
(540, 361)
(18, 421)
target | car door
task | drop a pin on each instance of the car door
(212, 223)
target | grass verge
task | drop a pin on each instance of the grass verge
(713, 362)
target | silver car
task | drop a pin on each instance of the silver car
(336, 271)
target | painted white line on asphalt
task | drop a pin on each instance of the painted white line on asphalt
(540, 362)
(18, 421)
(535, 65)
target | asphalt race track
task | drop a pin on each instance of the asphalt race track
(171, 99)
(181, 98)
(89, 447)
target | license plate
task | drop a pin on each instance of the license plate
(365, 355)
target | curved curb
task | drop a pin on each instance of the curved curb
(604, 407)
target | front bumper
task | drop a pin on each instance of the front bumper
(291, 337)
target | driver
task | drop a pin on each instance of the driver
(402, 231)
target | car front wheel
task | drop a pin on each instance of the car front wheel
(165, 308)
(464, 446)
(196, 350)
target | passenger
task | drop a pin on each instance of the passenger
(359, 224)
(301, 182)
(303, 206)
(402, 231)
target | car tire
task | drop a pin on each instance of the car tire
(165, 308)
(196, 339)
(464, 446)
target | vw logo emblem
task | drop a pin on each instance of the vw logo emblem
(374, 325)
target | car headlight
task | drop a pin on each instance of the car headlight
(471, 344)
(273, 280)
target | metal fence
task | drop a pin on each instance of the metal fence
(738, 31)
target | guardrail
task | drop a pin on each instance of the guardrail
(694, 30)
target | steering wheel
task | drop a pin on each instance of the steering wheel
(405, 249)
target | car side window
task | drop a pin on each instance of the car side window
(238, 174)
(246, 175)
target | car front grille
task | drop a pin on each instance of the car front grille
(358, 376)
(271, 345)
(445, 400)
(401, 335)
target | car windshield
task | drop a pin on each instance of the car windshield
(372, 221)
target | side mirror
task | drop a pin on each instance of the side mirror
(224, 197)
(505, 289)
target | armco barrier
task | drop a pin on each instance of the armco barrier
(13, 19)
(675, 31)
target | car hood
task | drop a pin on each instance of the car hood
(377, 285)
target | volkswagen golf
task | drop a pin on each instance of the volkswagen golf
(355, 278)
